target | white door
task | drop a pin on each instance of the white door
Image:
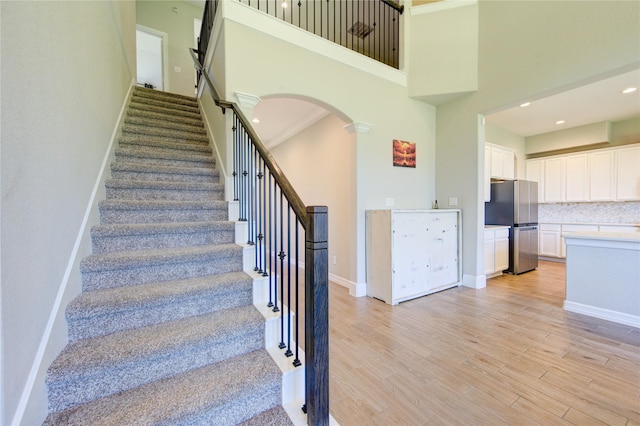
(150, 53)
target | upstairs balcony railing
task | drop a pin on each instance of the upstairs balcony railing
(369, 27)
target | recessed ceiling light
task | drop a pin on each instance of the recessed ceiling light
(526, 104)
(560, 122)
(629, 90)
(255, 120)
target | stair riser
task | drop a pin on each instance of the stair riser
(164, 110)
(174, 309)
(160, 194)
(158, 273)
(108, 216)
(204, 163)
(164, 124)
(167, 177)
(175, 136)
(156, 241)
(113, 379)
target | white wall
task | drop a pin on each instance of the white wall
(66, 70)
(160, 16)
(320, 164)
(526, 49)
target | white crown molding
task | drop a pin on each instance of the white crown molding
(359, 127)
(247, 101)
(438, 6)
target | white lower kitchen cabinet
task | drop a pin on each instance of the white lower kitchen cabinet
(496, 250)
(411, 253)
(549, 240)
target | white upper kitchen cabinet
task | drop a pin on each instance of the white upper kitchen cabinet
(502, 162)
(628, 173)
(487, 173)
(602, 176)
(535, 172)
(554, 180)
(577, 177)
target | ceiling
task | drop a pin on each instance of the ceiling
(591, 103)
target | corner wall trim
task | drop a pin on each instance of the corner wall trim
(474, 281)
(44, 341)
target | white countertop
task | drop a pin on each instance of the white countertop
(496, 227)
(552, 222)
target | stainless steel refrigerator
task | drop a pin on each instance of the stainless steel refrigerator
(515, 203)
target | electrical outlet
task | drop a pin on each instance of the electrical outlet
(453, 201)
(334, 260)
(177, 69)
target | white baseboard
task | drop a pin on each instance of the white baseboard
(605, 314)
(474, 281)
(70, 286)
(355, 289)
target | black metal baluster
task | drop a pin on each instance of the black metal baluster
(270, 242)
(281, 256)
(235, 158)
(288, 353)
(275, 246)
(296, 361)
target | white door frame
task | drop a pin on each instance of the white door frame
(165, 52)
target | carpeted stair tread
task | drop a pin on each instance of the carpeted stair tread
(165, 103)
(161, 123)
(165, 134)
(141, 258)
(130, 268)
(128, 211)
(207, 395)
(164, 116)
(164, 110)
(149, 154)
(276, 416)
(139, 236)
(132, 166)
(144, 141)
(101, 312)
(124, 189)
(97, 367)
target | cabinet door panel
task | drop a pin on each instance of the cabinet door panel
(628, 176)
(502, 254)
(508, 165)
(443, 249)
(489, 257)
(554, 180)
(577, 178)
(549, 243)
(496, 163)
(534, 171)
(410, 253)
(602, 177)
(487, 174)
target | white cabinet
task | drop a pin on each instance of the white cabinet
(496, 250)
(554, 180)
(602, 175)
(534, 171)
(487, 173)
(411, 253)
(628, 173)
(502, 162)
(577, 178)
(549, 240)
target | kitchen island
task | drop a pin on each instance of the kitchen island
(603, 275)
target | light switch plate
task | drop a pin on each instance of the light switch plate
(453, 201)
(388, 202)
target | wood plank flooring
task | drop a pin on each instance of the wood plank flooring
(506, 354)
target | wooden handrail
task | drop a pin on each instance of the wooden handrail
(396, 6)
(287, 189)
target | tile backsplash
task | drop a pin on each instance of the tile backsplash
(627, 212)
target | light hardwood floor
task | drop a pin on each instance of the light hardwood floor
(506, 354)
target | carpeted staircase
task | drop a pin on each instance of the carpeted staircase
(165, 331)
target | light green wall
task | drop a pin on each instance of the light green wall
(160, 16)
(526, 49)
(567, 139)
(286, 69)
(66, 70)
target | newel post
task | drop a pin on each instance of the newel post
(317, 316)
